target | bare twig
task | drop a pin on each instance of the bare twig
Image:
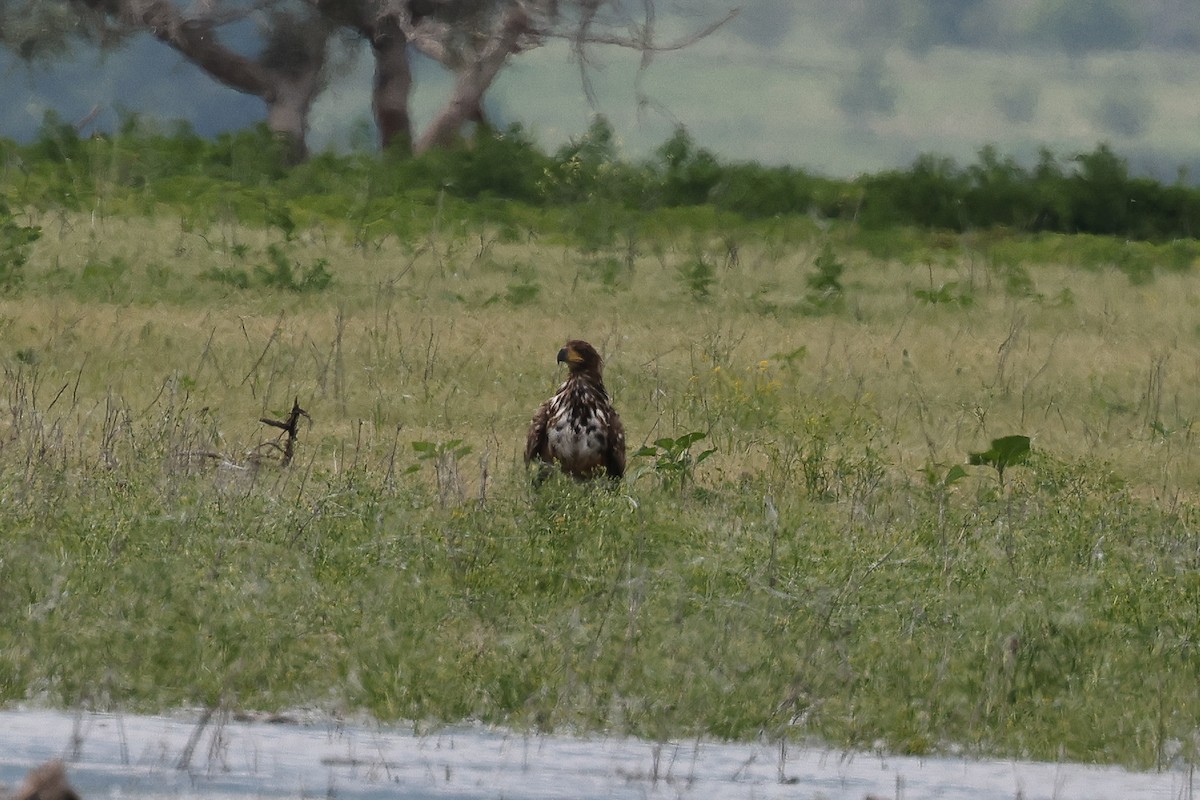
(642, 43)
(290, 428)
(185, 758)
(274, 335)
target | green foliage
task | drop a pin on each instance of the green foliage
(107, 279)
(825, 281)
(501, 164)
(607, 271)
(444, 457)
(697, 275)
(522, 292)
(585, 187)
(673, 462)
(151, 586)
(57, 141)
(930, 194)
(826, 277)
(756, 191)
(1005, 452)
(939, 479)
(1180, 255)
(432, 451)
(279, 273)
(251, 157)
(944, 294)
(1017, 280)
(1092, 193)
(15, 241)
(947, 293)
(586, 169)
(689, 174)
(999, 193)
(230, 276)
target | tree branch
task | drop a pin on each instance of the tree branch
(474, 79)
(580, 37)
(193, 38)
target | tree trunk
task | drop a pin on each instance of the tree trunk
(288, 104)
(393, 84)
(473, 81)
(288, 93)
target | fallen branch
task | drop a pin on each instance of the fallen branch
(290, 428)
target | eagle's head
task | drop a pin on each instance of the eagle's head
(579, 356)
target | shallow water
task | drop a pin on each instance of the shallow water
(129, 756)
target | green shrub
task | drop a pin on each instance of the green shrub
(689, 174)
(697, 275)
(825, 281)
(108, 279)
(278, 273)
(15, 241)
(672, 460)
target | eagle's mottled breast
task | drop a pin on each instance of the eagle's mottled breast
(579, 427)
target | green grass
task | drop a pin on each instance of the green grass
(824, 575)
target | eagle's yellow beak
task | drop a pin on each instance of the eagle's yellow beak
(568, 356)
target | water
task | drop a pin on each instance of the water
(128, 756)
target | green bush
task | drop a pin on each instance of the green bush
(15, 242)
(585, 191)
(689, 175)
(825, 281)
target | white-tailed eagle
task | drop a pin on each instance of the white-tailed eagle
(577, 429)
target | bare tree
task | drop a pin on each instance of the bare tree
(392, 84)
(286, 71)
(476, 45)
(476, 38)
(473, 39)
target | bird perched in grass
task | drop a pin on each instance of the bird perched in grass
(577, 429)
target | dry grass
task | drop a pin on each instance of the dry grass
(436, 340)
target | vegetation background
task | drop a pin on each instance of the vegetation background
(828, 533)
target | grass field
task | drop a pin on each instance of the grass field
(833, 571)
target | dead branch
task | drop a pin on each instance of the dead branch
(290, 428)
(581, 38)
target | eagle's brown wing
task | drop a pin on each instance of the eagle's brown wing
(614, 454)
(537, 442)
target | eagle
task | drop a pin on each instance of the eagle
(578, 429)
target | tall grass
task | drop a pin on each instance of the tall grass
(824, 575)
